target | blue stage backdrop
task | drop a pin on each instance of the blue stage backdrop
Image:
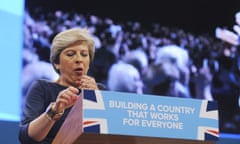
(11, 14)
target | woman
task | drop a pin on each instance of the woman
(48, 103)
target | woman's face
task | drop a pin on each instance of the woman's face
(73, 64)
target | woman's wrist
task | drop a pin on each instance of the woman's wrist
(51, 112)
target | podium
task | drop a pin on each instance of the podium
(105, 117)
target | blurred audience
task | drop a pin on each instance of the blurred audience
(169, 73)
(225, 89)
(124, 77)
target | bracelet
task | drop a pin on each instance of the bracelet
(53, 114)
(48, 117)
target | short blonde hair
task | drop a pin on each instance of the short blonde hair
(65, 38)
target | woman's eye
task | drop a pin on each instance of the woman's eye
(70, 53)
(84, 54)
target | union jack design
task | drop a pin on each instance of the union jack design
(208, 133)
(94, 100)
(95, 125)
(208, 110)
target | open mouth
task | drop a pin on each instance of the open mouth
(78, 71)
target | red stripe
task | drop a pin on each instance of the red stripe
(88, 122)
(213, 131)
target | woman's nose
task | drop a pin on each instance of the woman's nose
(78, 58)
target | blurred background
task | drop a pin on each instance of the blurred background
(164, 48)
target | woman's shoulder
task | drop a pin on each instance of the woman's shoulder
(50, 84)
(44, 82)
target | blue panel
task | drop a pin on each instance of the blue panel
(12, 6)
(10, 60)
